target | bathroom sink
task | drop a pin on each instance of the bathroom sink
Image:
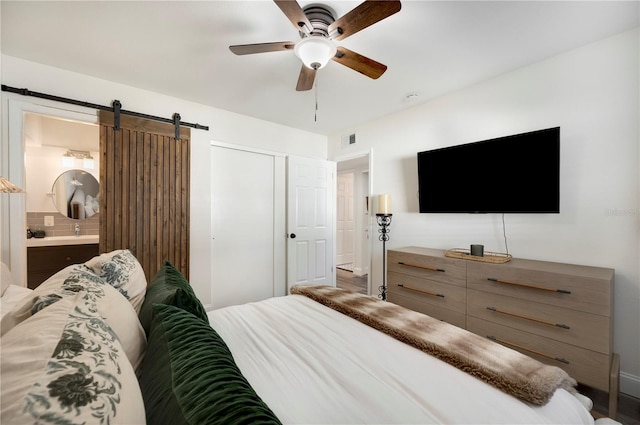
(62, 240)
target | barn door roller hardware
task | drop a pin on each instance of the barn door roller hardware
(115, 108)
(176, 124)
(116, 114)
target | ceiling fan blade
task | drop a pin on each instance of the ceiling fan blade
(248, 49)
(306, 79)
(362, 16)
(357, 62)
(296, 15)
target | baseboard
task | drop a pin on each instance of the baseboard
(630, 384)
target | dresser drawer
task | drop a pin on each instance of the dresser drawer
(438, 268)
(436, 311)
(588, 289)
(578, 328)
(585, 366)
(427, 291)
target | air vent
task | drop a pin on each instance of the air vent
(349, 139)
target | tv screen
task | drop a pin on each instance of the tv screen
(513, 174)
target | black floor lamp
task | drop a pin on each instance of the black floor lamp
(383, 217)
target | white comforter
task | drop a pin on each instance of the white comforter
(313, 365)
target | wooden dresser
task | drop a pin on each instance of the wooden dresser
(560, 314)
(422, 280)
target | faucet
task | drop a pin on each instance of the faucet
(77, 229)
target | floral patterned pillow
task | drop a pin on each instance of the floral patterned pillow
(122, 270)
(66, 365)
(98, 296)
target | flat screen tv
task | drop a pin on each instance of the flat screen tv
(513, 174)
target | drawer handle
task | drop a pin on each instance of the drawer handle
(433, 294)
(68, 258)
(533, 319)
(506, 282)
(433, 269)
(521, 347)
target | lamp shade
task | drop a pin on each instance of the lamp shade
(67, 160)
(87, 162)
(315, 51)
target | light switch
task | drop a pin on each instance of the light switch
(48, 220)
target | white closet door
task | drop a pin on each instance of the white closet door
(247, 208)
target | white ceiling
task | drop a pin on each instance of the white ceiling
(180, 48)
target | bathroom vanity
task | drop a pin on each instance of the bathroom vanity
(46, 256)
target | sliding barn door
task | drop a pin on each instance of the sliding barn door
(144, 191)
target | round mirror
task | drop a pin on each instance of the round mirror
(75, 194)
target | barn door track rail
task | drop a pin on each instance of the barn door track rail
(116, 108)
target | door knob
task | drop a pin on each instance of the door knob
(292, 236)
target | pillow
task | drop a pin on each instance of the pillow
(169, 286)
(5, 278)
(189, 375)
(65, 365)
(88, 211)
(103, 298)
(121, 270)
(22, 309)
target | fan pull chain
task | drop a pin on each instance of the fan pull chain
(315, 114)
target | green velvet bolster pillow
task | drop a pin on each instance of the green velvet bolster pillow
(170, 287)
(189, 375)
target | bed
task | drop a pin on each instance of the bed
(302, 357)
(292, 359)
(11, 293)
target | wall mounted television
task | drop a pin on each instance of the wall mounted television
(513, 174)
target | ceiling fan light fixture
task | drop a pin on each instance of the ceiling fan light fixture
(315, 51)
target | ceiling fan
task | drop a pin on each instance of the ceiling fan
(318, 30)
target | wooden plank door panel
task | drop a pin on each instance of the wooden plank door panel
(144, 191)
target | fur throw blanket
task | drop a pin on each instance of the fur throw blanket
(504, 368)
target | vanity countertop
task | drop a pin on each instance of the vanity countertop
(62, 240)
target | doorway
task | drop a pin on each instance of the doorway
(345, 243)
(55, 148)
(14, 209)
(353, 244)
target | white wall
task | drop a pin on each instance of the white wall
(592, 94)
(223, 126)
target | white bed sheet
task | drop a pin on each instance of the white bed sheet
(313, 365)
(12, 295)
